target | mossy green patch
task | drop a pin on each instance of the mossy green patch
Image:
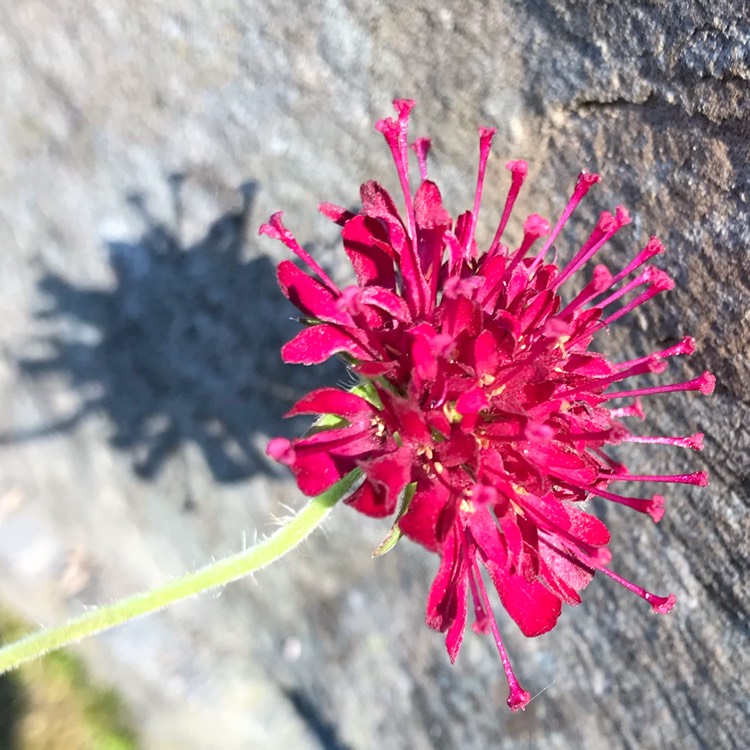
(50, 704)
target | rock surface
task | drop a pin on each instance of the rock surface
(139, 373)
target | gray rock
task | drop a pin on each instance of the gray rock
(140, 378)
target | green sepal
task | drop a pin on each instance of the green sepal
(366, 390)
(395, 533)
(327, 422)
(345, 487)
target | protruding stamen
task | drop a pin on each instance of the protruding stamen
(606, 228)
(685, 346)
(660, 282)
(421, 148)
(518, 171)
(276, 230)
(583, 185)
(518, 698)
(534, 227)
(481, 616)
(485, 144)
(660, 604)
(649, 365)
(653, 247)
(654, 506)
(649, 276)
(704, 383)
(614, 434)
(698, 478)
(601, 281)
(396, 136)
(689, 441)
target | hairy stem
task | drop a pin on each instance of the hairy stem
(211, 576)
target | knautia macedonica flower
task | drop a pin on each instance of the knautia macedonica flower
(483, 417)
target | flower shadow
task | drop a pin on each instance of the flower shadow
(13, 703)
(183, 349)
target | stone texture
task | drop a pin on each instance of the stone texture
(139, 372)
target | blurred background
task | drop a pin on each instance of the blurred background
(140, 147)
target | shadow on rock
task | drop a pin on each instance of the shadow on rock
(12, 706)
(316, 722)
(184, 349)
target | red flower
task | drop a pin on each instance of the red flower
(483, 416)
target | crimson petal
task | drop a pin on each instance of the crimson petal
(316, 344)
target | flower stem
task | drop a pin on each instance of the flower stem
(211, 576)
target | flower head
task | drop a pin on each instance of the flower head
(483, 416)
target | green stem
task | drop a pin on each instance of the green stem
(209, 577)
